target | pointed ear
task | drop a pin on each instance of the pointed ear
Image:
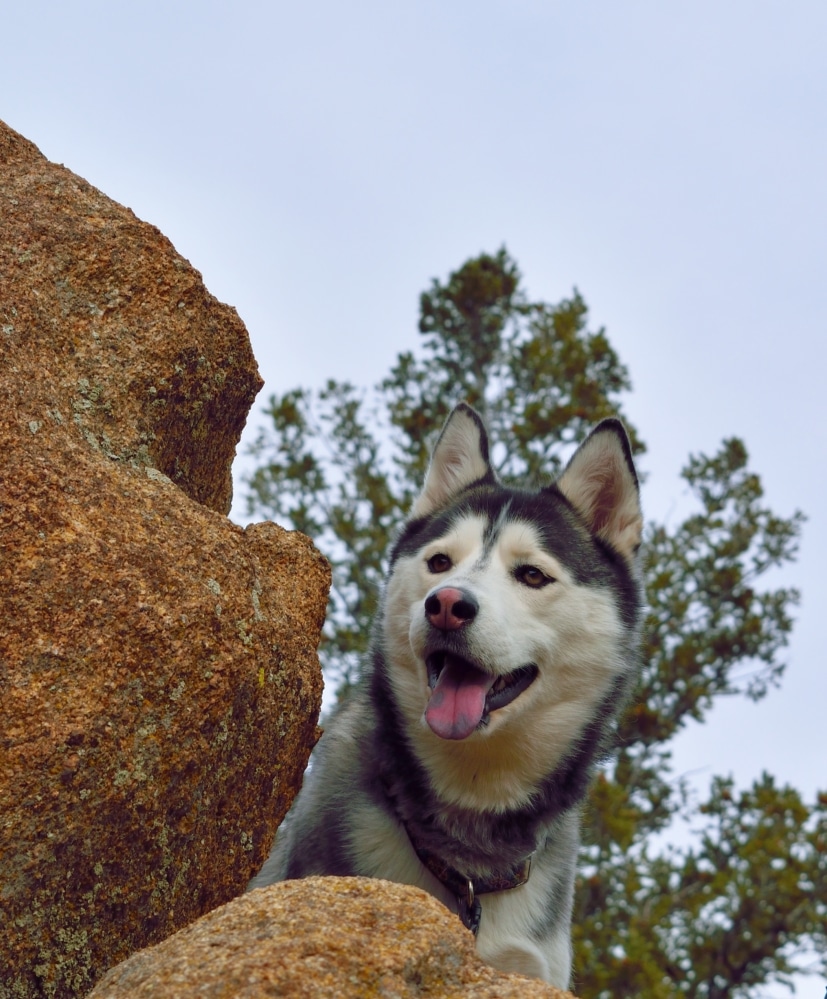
(460, 458)
(600, 482)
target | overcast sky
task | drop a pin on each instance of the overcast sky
(320, 162)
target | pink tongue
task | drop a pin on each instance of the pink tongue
(458, 700)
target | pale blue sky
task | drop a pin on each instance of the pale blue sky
(319, 163)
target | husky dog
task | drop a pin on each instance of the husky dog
(505, 648)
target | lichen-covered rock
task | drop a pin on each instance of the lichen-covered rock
(104, 327)
(159, 684)
(321, 938)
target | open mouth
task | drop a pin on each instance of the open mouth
(463, 695)
(510, 686)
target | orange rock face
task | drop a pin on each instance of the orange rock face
(104, 323)
(321, 938)
(159, 685)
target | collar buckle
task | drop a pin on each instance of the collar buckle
(469, 909)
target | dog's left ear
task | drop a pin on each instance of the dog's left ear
(600, 482)
(459, 460)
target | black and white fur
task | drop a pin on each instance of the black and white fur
(534, 596)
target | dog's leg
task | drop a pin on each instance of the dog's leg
(523, 930)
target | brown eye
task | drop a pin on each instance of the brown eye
(531, 576)
(439, 563)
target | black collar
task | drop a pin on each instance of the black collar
(467, 889)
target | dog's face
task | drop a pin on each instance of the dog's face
(507, 623)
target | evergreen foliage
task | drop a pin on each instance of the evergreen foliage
(746, 900)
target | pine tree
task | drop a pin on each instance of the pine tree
(740, 905)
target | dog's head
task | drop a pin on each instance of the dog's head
(511, 615)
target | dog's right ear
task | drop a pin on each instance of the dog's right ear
(459, 460)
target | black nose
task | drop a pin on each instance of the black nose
(450, 608)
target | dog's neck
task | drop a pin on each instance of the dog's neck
(456, 845)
